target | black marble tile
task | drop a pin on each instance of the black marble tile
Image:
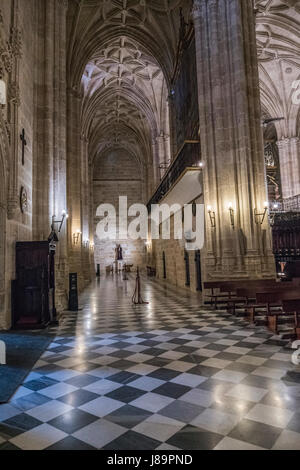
(256, 433)
(82, 380)
(8, 446)
(193, 438)
(164, 374)
(172, 390)
(123, 377)
(70, 443)
(182, 411)
(204, 371)
(157, 361)
(126, 394)
(78, 398)
(128, 416)
(22, 422)
(133, 441)
(30, 401)
(40, 384)
(72, 421)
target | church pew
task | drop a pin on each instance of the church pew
(246, 294)
(214, 296)
(293, 306)
(252, 306)
(240, 299)
(224, 292)
(270, 299)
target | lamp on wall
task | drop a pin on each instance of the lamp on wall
(3, 93)
(53, 235)
(76, 237)
(212, 216)
(260, 217)
(231, 212)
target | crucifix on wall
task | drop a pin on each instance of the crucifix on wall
(24, 143)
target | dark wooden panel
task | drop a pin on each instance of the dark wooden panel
(30, 291)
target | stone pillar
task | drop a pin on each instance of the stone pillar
(74, 183)
(60, 150)
(231, 140)
(289, 157)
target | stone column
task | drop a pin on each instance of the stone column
(289, 157)
(231, 139)
(74, 183)
(60, 149)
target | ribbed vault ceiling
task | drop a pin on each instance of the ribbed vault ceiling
(122, 54)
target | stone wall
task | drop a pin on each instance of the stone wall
(116, 173)
(18, 115)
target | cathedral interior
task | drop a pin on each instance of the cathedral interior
(124, 343)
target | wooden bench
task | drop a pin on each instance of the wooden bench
(240, 299)
(246, 296)
(151, 272)
(271, 299)
(227, 291)
(109, 269)
(127, 268)
(293, 306)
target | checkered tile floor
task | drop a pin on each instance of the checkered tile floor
(162, 376)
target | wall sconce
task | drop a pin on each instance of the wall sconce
(64, 215)
(92, 246)
(3, 93)
(231, 212)
(259, 218)
(212, 216)
(76, 237)
(53, 235)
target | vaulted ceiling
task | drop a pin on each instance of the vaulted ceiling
(121, 58)
(122, 55)
(278, 27)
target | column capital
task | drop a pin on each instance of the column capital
(285, 141)
(63, 3)
(196, 9)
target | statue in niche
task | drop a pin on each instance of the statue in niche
(119, 253)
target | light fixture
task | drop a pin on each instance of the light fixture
(76, 237)
(212, 216)
(201, 164)
(275, 207)
(3, 93)
(231, 212)
(53, 236)
(260, 217)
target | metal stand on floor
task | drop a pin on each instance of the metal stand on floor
(137, 296)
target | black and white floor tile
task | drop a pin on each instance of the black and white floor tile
(163, 376)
